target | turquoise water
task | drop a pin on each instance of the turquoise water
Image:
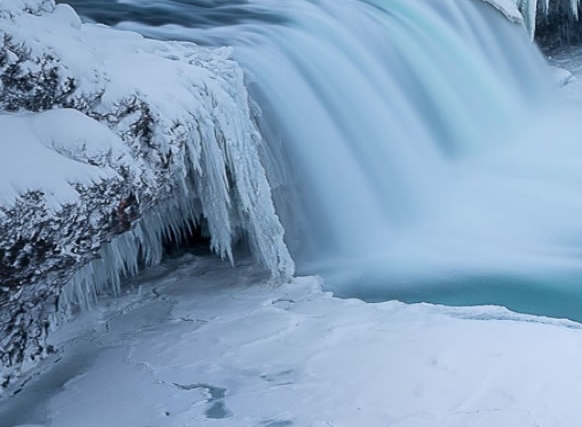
(558, 296)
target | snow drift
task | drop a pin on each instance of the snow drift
(110, 142)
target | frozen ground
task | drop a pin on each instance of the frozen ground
(195, 343)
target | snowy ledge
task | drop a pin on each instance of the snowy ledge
(111, 143)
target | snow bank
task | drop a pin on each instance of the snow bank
(110, 143)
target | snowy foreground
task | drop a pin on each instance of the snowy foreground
(196, 343)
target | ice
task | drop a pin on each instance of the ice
(122, 256)
(561, 76)
(196, 342)
(529, 9)
(31, 161)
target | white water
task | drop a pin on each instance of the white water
(418, 139)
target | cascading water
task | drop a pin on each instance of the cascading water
(416, 149)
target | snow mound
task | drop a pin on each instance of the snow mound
(112, 141)
(39, 154)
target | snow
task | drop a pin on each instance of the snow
(195, 342)
(12, 8)
(30, 158)
(110, 143)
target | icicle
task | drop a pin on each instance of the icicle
(121, 257)
(529, 11)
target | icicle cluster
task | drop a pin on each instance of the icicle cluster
(190, 154)
(530, 10)
(126, 253)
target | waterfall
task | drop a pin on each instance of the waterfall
(417, 139)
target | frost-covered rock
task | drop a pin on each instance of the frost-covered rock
(109, 143)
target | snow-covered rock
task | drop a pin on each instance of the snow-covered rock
(509, 8)
(109, 143)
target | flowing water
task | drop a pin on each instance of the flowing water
(416, 148)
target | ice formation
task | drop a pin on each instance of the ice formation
(111, 141)
(530, 10)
